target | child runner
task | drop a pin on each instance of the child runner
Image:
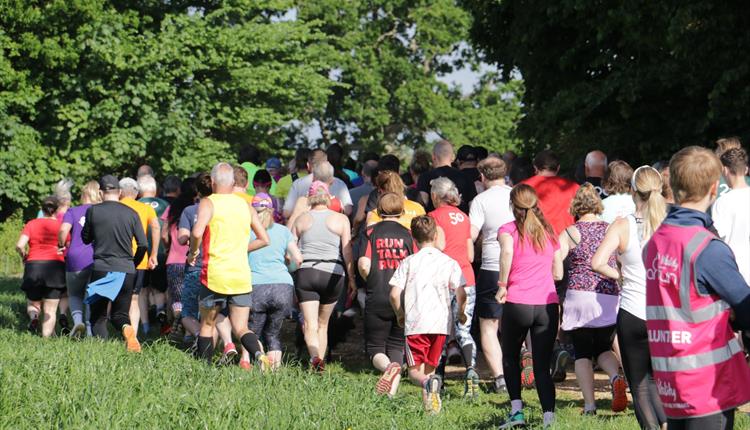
(44, 267)
(694, 295)
(79, 256)
(273, 288)
(454, 237)
(426, 280)
(388, 243)
(591, 301)
(627, 236)
(529, 265)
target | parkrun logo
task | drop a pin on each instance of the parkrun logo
(664, 269)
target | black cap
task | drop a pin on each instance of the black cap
(109, 182)
(466, 153)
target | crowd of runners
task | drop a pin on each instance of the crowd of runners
(640, 273)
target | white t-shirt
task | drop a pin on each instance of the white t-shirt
(428, 278)
(731, 215)
(490, 210)
(617, 206)
(301, 186)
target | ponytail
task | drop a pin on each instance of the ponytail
(530, 221)
(647, 185)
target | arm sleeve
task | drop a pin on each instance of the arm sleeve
(457, 278)
(291, 199)
(717, 272)
(476, 215)
(185, 221)
(138, 233)
(68, 217)
(343, 194)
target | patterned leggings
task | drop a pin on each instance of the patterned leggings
(271, 304)
(175, 281)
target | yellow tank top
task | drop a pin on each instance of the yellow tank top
(225, 268)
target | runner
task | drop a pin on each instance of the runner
(64, 200)
(300, 171)
(530, 264)
(175, 263)
(44, 267)
(390, 182)
(119, 240)
(731, 212)
(723, 145)
(619, 202)
(322, 172)
(427, 281)
(301, 186)
(454, 238)
(155, 281)
(262, 183)
(249, 159)
(388, 243)
(442, 158)
(241, 183)
(695, 296)
(79, 257)
(139, 309)
(591, 301)
(627, 236)
(222, 231)
(324, 239)
(273, 287)
(489, 211)
(594, 168)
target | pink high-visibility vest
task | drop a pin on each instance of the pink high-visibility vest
(697, 362)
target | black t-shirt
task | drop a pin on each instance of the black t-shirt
(467, 189)
(471, 174)
(597, 183)
(388, 243)
(110, 227)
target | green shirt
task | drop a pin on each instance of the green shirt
(285, 184)
(251, 169)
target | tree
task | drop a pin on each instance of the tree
(387, 56)
(638, 79)
(90, 86)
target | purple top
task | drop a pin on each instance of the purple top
(581, 276)
(80, 256)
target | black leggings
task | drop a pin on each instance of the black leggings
(636, 362)
(720, 421)
(516, 322)
(120, 313)
(383, 335)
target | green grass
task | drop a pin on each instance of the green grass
(58, 383)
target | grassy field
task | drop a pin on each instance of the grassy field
(59, 383)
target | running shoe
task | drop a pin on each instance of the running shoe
(433, 395)
(227, 357)
(471, 384)
(527, 370)
(62, 320)
(79, 331)
(245, 365)
(317, 365)
(131, 341)
(265, 363)
(388, 379)
(619, 394)
(34, 325)
(161, 316)
(560, 359)
(192, 342)
(515, 419)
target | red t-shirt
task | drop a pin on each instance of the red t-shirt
(42, 233)
(457, 230)
(555, 194)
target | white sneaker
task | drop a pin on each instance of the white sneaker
(78, 331)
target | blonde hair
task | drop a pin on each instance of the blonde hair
(90, 193)
(726, 143)
(617, 178)
(530, 221)
(265, 216)
(390, 182)
(647, 187)
(692, 173)
(586, 201)
(445, 191)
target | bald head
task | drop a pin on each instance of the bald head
(442, 154)
(595, 164)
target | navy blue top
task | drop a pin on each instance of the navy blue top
(716, 269)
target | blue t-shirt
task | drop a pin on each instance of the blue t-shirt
(267, 263)
(187, 220)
